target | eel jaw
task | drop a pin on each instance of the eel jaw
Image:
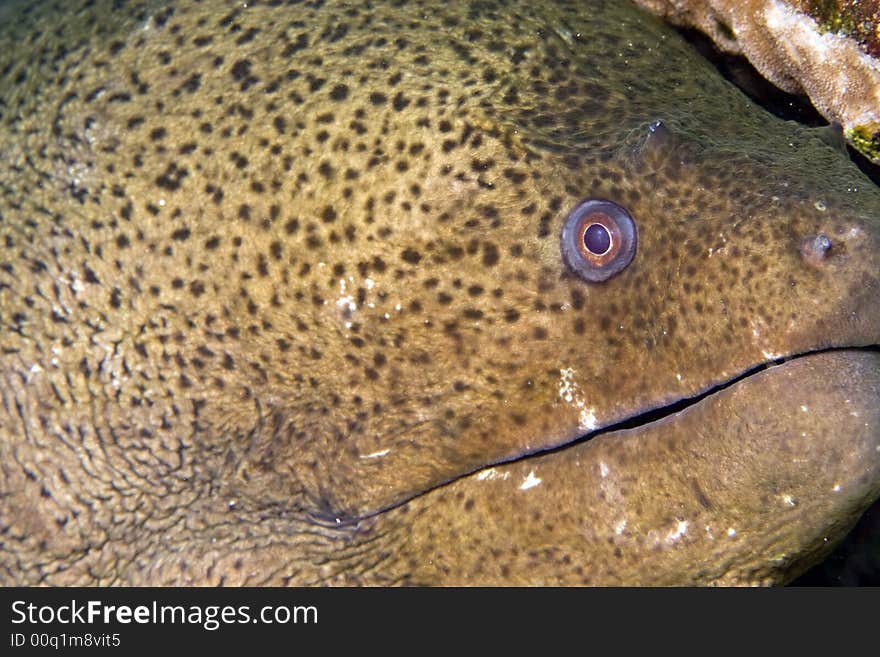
(674, 407)
(749, 484)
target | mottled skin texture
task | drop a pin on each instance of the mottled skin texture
(272, 276)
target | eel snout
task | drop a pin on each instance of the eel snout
(751, 485)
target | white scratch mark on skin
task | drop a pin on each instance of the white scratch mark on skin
(603, 469)
(588, 420)
(758, 331)
(679, 531)
(731, 532)
(620, 526)
(375, 455)
(346, 304)
(35, 369)
(530, 481)
(789, 500)
(804, 408)
(570, 392)
(566, 386)
(490, 474)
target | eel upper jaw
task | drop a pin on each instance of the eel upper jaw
(663, 411)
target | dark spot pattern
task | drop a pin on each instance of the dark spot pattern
(272, 269)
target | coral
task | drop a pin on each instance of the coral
(858, 19)
(826, 49)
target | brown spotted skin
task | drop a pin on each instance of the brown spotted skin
(270, 273)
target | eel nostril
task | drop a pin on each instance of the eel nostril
(816, 248)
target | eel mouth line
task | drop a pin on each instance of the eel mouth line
(652, 415)
(637, 421)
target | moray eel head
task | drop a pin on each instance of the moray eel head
(345, 294)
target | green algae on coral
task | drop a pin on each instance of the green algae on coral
(857, 19)
(866, 139)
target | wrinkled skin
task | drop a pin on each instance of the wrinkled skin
(282, 301)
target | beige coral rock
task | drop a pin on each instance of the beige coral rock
(795, 52)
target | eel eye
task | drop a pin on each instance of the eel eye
(598, 239)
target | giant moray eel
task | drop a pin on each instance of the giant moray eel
(318, 292)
